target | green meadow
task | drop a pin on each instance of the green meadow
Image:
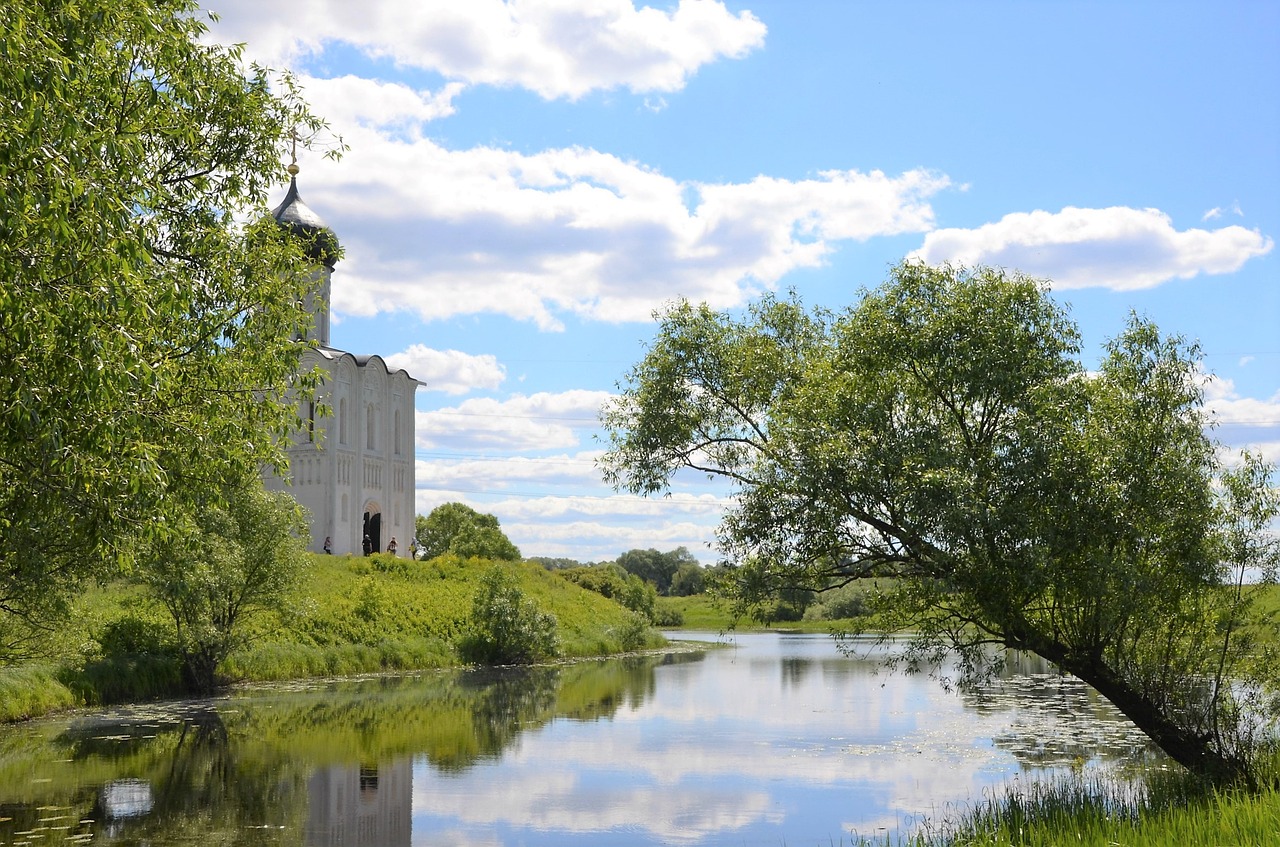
(353, 615)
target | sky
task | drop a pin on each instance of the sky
(526, 182)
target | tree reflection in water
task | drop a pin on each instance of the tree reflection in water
(265, 766)
(713, 744)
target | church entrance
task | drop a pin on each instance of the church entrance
(373, 525)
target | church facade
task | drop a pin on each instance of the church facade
(351, 467)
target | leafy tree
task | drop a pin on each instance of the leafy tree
(506, 626)
(225, 565)
(658, 568)
(459, 529)
(610, 580)
(943, 432)
(145, 329)
(688, 579)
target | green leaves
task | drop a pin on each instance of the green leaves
(458, 529)
(146, 328)
(942, 432)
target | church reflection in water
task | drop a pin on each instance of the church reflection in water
(371, 806)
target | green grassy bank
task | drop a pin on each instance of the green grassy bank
(353, 615)
(1169, 809)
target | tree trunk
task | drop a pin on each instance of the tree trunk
(1197, 752)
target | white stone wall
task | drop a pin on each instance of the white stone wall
(357, 459)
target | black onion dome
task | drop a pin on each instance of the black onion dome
(297, 217)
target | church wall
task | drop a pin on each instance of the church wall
(358, 458)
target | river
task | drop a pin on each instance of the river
(764, 739)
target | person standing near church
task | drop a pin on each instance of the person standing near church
(328, 545)
(367, 545)
(391, 548)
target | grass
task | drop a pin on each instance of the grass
(353, 615)
(705, 613)
(1168, 810)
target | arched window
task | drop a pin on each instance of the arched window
(342, 421)
(397, 433)
(372, 427)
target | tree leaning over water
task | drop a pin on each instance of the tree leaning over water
(146, 330)
(942, 432)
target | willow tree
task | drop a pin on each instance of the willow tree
(942, 432)
(148, 306)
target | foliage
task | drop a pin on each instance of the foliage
(555, 563)
(609, 580)
(506, 627)
(689, 578)
(942, 431)
(658, 568)
(32, 690)
(226, 565)
(1099, 812)
(146, 330)
(459, 529)
(348, 616)
(849, 601)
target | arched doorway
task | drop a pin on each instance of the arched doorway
(373, 525)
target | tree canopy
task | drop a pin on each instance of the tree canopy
(222, 565)
(943, 432)
(659, 568)
(459, 529)
(148, 304)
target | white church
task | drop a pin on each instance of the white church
(353, 470)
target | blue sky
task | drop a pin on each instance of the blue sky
(527, 181)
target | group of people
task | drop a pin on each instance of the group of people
(367, 546)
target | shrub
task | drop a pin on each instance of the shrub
(633, 633)
(667, 615)
(131, 636)
(847, 602)
(506, 626)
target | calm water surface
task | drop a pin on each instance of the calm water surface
(770, 740)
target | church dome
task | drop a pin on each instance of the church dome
(297, 218)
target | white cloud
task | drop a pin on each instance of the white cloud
(1217, 212)
(557, 48)
(445, 233)
(511, 473)
(591, 528)
(1227, 407)
(450, 371)
(1118, 248)
(542, 421)
(352, 102)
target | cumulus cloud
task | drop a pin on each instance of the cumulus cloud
(450, 371)
(1228, 407)
(351, 103)
(1117, 248)
(557, 48)
(576, 231)
(541, 421)
(589, 528)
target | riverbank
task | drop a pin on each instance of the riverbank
(1167, 809)
(352, 615)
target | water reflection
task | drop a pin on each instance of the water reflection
(772, 739)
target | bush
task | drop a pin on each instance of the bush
(506, 626)
(132, 636)
(667, 615)
(847, 602)
(633, 633)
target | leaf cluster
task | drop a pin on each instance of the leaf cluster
(942, 432)
(148, 305)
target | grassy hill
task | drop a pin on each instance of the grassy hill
(353, 615)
